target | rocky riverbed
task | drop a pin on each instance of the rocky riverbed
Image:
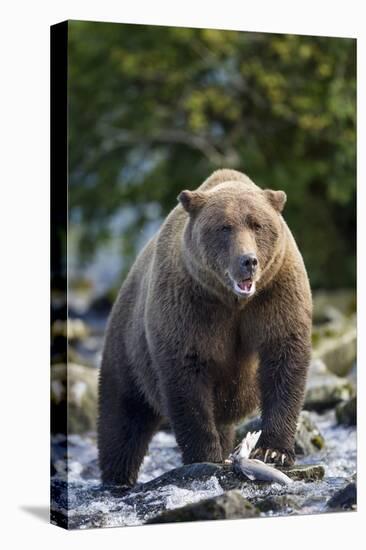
(86, 503)
(324, 476)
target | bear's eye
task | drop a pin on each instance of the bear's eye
(226, 228)
(256, 226)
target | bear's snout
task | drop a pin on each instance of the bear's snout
(248, 264)
(243, 274)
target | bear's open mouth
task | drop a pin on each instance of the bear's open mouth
(244, 288)
(245, 285)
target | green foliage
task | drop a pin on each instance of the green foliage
(154, 110)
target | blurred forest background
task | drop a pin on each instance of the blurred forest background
(154, 110)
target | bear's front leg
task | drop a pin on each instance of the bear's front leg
(282, 379)
(189, 402)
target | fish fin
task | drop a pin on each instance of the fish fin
(247, 445)
(251, 477)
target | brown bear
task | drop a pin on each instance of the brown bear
(213, 320)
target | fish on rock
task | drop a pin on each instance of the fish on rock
(254, 469)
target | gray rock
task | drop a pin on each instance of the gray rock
(277, 503)
(328, 315)
(230, 505)
(346, 413)
(226, 476)
(334, 330)
(308, 438)
(336, 344)
(324, 389)
(344, 499)
(203, 471)
(74, 392)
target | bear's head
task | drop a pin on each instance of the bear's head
(233, 234)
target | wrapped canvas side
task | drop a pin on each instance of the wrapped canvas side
(59, 174)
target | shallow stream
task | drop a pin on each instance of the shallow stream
(89, 505)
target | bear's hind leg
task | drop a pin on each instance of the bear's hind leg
(126, 426)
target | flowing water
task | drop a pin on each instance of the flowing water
(87, 504)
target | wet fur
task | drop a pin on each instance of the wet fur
(180, 344)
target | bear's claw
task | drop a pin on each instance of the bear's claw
(281, 457)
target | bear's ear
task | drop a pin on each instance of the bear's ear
(276, 198)
(191, 201)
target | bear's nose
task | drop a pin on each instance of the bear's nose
(249, 263)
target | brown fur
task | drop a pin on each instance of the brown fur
(182, 344)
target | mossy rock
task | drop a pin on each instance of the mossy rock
(72, 329)
(277, 504)
(308, 438)
(74, 396)
(346, 413)
(337, 347)
(340, 301)
(305, 472)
